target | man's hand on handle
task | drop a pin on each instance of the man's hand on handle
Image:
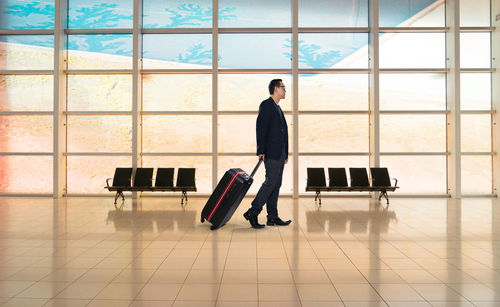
(262, 156)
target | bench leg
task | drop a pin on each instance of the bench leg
(184, 196)
(384, 194)
(317, 197)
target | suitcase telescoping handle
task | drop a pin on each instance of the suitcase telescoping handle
(256, 168)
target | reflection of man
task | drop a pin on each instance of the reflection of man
(272, 147)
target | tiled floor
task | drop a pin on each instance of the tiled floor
(152, 252)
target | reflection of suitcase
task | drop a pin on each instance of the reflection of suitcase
(227, 196)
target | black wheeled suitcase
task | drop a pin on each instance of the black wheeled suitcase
(227, 196)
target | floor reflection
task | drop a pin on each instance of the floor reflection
(376, 218)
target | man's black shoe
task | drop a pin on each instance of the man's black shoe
(253, 220)
(277, 221)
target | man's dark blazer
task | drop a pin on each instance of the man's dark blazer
(270, 138)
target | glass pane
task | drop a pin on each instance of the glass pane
(203, 165)
(177, 133)
(179, 14)
(475, 50)
(26, 133)
(89, 174)
(26, 174)
(476, 132)
(255, 51)
(177, 92)
(15, 97)
(326, 162)
(237, 133)
(413, 133)
(333, 50)
(177, 51)
(99, 92)
(412, 50)
(417, 174)
(412, 13)
(475, 91)
(475, 13)
(413, 92)
(27, 52)
(26, 14)
(247, 163)
(105, 133)
(477, 175)
(256, 13)
(333, 92)
(333, 133)
(100, 51)
(240, 92)
(340, 13)
(93, 14)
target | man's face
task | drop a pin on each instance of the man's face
(281, 90)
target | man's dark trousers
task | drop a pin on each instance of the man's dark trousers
(270, 189)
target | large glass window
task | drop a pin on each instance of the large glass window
(411, 13)
(188, 117)
(93, 14)
(26, 14)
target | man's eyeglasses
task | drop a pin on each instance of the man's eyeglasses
(283, 87)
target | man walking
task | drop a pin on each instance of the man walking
(272, 148)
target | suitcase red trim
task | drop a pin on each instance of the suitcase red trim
(223, 195)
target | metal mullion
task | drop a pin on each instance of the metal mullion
(254, 71)
(26, 72)
(333, 112)
(239, 112)
(477, 70)
(253, 30)
(99, 72)
(98, 31)
(215, 91)
(495, 95)
(175, 71)
(453, 119)
(137, 87)
(413, 29)
(295, 102)
(476, 29)
(414, 153)
(59, 181)
(478, 112)
(186, 154)
(484, 153)
(90, 113)
(334, 71)
(333, 30)
(177, 31)
(414, 112)
(176, 112)
(97, 154)
(7, 113)
(26, 153)
(334, 154)
(27, 32)
(412, 70)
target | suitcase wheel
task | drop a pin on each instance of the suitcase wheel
(213, 227)
(202, 220)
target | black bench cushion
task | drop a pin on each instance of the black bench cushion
(380, 177)
(143, 177)
(316, 177)
(185, 177)
(122, 177)
(338, 177)
(359, 177)
(165, 177)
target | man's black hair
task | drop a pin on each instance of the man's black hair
(273, 84)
